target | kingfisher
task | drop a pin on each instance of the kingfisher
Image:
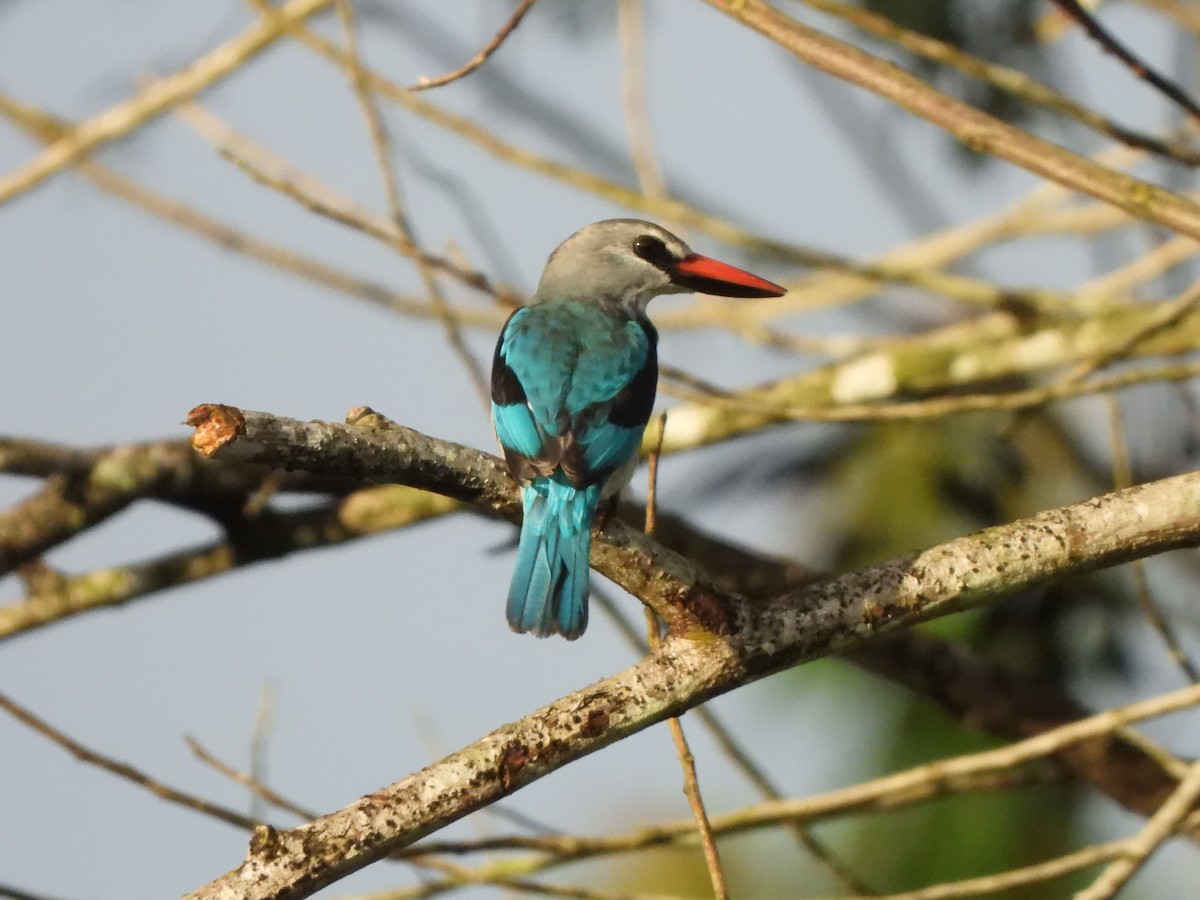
(573, 383)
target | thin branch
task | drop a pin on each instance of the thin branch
(157, 98)
(1123, 478)
(248, 781)
(1014, 878)
(8, 892)
(49, 128)
(123, 770)
(562, 849)
(949, 359)
(738, 754)
(1011, 81)
(631, 33)
(260, 737)
(687, 762)
(1041, 211)
(84, 496)
(1123, 280)
(1010, 706)
(965, 290)
(1182, 13)
(376, 811)
(1163, 317)
(381, 142)
(940, 407)
(691, 787)
(424, 84)
(976, 129)
(1143, 70)
(1160, 827)
(271, 171)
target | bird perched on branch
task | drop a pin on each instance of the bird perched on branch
(573, 382)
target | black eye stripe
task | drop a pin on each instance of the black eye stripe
(653, 251)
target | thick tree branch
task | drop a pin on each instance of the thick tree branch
(85, 487)
(741, 641)
(373, 449)
(268, 535)
(973, 690)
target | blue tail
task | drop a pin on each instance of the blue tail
(549, 591)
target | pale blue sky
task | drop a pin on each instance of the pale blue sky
(384, 654)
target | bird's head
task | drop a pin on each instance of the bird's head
(629, 262)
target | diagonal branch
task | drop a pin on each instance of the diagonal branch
(122, 769)
(1013, 81)
(1152, 836)
(156, 98)
(741, 643)
(1143, 70)
(482, 56)
(978, 130)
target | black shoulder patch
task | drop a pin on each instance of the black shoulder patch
(632, 407)
(506, 387)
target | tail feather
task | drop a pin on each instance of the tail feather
(549, 590)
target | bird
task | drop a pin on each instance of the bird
(573, 382)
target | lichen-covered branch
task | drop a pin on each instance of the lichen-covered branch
(738, 642)
(965, 354)
(268, 535)
(373, 449)
(84, 487)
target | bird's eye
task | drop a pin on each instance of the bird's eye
(652, 250)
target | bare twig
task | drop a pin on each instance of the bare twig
(1012, 81)
(966, 290)
(1122, 478)
(939, 407)
(740, 758)
(482, 56)
(9, 892)
(260, 737)
(631, 30)
(270, 170)
(989, 885)
(971, 353)
(978, 130)
(83, 496)
(248, 781)
(123, 770)
(157, 98)
(899, 786)
(1163, 317)
(381, 143)
(359, 514)
(1144, 71)
(691, 782)
(1123, 280)
(1137, 850)
(49, 128)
